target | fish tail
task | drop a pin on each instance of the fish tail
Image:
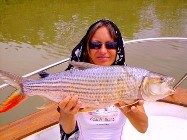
(17, 96)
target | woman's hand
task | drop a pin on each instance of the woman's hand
(136, 114)
(69, 107)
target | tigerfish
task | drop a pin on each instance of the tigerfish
(96, 86)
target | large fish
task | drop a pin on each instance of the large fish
(96, 86)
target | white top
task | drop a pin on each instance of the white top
(102, 124)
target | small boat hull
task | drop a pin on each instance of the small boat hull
(165, 121)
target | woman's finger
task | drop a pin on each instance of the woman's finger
(72, 102)
(75, 109)
(64, 102)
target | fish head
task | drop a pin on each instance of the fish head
(156, 86)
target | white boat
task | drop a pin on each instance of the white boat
(167, 118)
(166, 121)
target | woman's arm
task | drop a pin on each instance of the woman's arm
(69, 107)
(179, 97)
(136, 115)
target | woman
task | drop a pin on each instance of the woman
(102, 45)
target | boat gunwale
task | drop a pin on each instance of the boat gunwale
(48, 117)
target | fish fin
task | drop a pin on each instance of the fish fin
(82, 65)
(130, 104)
(12, 101)
(17, 96)
(46, 104)
(87, 109)
(11, 79)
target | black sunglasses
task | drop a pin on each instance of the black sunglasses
(97, 45)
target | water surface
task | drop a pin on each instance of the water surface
(36, 33)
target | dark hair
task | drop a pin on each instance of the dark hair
(102, 23)
(80, 53)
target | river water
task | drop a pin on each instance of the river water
(36, 33)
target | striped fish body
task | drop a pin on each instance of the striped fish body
(96, 87)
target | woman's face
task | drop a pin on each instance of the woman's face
(102, 56)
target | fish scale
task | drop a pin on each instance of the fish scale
(96, 86)
(91, 85)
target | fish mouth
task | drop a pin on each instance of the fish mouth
(162, 86)
(168, 83)
(156, 87)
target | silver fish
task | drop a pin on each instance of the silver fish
(96, 86)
